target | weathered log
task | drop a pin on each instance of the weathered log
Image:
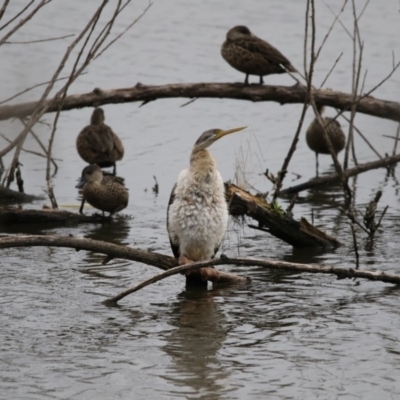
(169, 264)
(110, 249)
(276, 221)
(9, 196)
(323, 180)
(340, 272)
(256, 93)
(11, 216)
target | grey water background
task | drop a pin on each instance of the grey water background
(284, 336)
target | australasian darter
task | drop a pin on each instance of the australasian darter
(197, 214)
(98, 144)
(253, 56)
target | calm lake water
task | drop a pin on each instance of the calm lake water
(286, 335)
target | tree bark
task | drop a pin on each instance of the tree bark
(277, 222)
(11, 196)
(169, 263)
(319, 181)
(11, 216)
(256, 93)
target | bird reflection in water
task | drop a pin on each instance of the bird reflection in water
(196, 341)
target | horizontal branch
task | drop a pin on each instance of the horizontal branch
(256, 93)
(111, 250)
(323, 180)
(340, 272)
(169, 263)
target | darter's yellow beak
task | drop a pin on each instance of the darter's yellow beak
(222, 133)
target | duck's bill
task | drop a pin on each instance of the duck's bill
(81, 183)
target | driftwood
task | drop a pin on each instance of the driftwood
(146, 93)
(323, 180)
(111, 250)
(11, 196)
(169, 264)
(341, 273)
(11, 216)
(276, 222)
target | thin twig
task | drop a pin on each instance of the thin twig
(23, 21)
(42, 40)
(16, 15)
(3, 8)
(33, 87)
(355, 245)
(36, 137)
(330, 71)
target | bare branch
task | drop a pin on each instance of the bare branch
(42, 40)
(256, 93)
(23, 21)
(17, 15)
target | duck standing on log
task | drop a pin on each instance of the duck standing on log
(104, 192)
(98, 144)
(316, 140)
(197, 215)
(253, 56)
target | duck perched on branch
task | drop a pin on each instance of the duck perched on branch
(104, 192)
(98, 144)
(315, 136)
(253, 56)
(197, 211)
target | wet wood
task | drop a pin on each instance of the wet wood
(11, 216)
(276, 222)
(333, 178)
(237, 91)
(11, 196)
(161, 261)
(341, 273)
(169, 264)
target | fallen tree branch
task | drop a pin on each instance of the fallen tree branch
(340, 272)
(158, 260)
(319, 181)
(168, 263)
(256, 93)
(12, 216)
(11, 196)
(276, 221)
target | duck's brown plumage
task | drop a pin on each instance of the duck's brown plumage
(253, 56)
(98, 144)
(315, 136)
(104, 192)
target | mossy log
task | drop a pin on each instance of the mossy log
(276, 221)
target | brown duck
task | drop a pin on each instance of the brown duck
(98, 144)
(315, 136)
(104, 192)
(253, 56)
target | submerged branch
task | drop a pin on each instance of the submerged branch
(340, 272)
(256, 93)
(319, 181)
(168, 263)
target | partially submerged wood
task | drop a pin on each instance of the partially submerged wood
(10, 196)
(333, 178)
(169, 264)
(110, 249)
(256, 93)
(276, 222)
(11, 216)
